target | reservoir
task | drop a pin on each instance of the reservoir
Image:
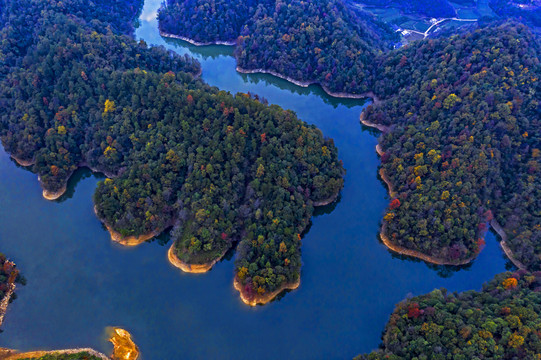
(80, 282)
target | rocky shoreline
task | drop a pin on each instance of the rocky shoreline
(342, 95)
(503, 243)
(265, 298)
(190, 268)
(382, 128)
(327, 201)
(197, 43)
(419, 255)
(5, 302)
(22, 162)
(129, 240)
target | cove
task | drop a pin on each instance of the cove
(80, 282)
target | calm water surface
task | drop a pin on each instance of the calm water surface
(79, 282)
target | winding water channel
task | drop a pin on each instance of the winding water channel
(79, 282)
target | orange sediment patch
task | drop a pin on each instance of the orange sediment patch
(265, 298)
(123, 346)
(190, 268)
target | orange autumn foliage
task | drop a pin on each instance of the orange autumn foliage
(510, 283)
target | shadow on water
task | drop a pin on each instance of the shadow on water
(78, 176)
(205, 52)
(327, 209)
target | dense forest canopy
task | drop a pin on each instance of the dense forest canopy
(314, 41)
(464, 143)
(463, 112)
(208, 21)
(218, 168)
(502, 321)
(321, 41)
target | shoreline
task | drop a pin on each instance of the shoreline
(413, 253)
(197, 43)
(21, 162)
(327, 201)
(241, 70)
(131, 240)
(503, 243)
(382, 128)
(8, 354)
(267, 297)
(5, 302)
(383, 233)
(305, 84)
(191, 268)
(54, 195)
(417, 254)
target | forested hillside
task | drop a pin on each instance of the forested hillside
(464, 142)
(500, 322)
(208, 21)
(319, 41)
(314, 41)
(219, 168)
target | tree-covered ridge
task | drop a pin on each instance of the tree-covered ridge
(207, 21)
(220, 168)
(502, 321)
(464, 142)
(314, 41)
(21, 20)
(319, 41)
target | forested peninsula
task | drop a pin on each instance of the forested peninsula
(501, 321)
(460, 116)
(217, 168)
(463, 144)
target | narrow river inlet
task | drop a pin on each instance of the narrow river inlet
(80, 282)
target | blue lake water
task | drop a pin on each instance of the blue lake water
(80, 282)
